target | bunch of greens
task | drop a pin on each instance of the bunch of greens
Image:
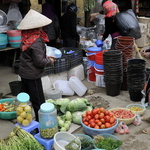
(20, 139)
(74, 144)
(106, 143)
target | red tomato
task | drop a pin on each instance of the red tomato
(89, 125)
(96, 127)
(83, 115)
(101, 115)
(102, 109)
(94, 111)
(102, 120)
(86, 123)
(84, 119)
(107, 118)
(89, 117)
(107, 113)
(112, 120)
(91, 120)
(96, 121)
(107, 125)
(96, 116)
(102, 126)
(88, 112)
(99, 123)
(92, 124)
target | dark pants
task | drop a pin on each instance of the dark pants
(69, 42)
(35, 90)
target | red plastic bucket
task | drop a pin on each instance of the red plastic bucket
(91, 74)
(99, 57)
(91, 56)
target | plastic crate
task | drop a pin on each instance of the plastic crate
(75, 55)
(66, 62)
(61, 64)
(48, 70)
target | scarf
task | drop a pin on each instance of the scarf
(30, 36)
(110, 8)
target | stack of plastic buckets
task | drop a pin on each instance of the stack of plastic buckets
(136, 77)
(14, 38)
(99, 69)
(113, 70)
(92, 51)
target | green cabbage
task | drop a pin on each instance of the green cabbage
(78, 104)
(76, 116)
(60, 104)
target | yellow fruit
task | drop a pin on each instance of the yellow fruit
(19, 110)
(23, 114)
(19, 119)
(25, 122)
(27, 108)
(29, 116)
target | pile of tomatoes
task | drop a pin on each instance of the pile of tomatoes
(99, 118)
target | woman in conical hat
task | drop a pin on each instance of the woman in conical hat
(33, 57)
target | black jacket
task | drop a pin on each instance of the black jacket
(110, 26)
(33, 60)
(68, 25)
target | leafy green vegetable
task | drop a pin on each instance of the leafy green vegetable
(76, 117)
(78, 104)
(60, 104)
(107, 143)
(85, 143)
(74, 144)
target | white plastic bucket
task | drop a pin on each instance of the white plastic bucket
(100, 80)
(77, 86)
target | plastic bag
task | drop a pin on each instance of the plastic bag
(128, 24)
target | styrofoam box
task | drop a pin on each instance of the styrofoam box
(145, 20)
(77, 71)
(141, 42)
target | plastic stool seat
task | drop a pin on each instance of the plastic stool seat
(47, 143)
(33, 125)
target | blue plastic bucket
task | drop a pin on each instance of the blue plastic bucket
(99, 66)
(91, 63)
(94, 49)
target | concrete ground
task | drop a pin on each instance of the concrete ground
(135, 140)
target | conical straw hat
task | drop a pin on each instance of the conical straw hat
(32, 20)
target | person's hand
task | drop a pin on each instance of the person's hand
(92, 16)
(52, 59)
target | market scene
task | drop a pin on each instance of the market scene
(74, 74)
